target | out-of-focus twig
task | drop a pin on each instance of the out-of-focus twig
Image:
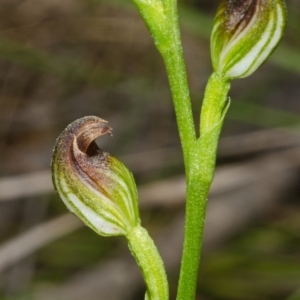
(27, 185)
(35, 238)
(233, 180)
(39, 183)
(19, 277)
(258, 141)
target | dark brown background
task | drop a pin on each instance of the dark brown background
(61, 60)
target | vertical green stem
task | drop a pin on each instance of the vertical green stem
(199, 154)
(201, 173)
(174, 61)
(148, 258)
(182, 103)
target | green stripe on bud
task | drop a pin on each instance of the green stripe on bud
(93, 184)
(245, 33)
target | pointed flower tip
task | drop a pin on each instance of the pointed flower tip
(93, 184)
(245, 33)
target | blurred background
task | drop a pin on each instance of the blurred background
(62, 60)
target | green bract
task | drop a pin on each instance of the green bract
(93, 184)
(153, 13)
(245, 33)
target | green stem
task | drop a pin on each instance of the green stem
(173, 58)
(201, 173)
(151, 265)
(199, 155)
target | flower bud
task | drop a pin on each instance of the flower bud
(93, 184)
(245, 33)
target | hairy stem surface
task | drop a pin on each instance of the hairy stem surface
(202, 167)
(149, 260)
(173, 58)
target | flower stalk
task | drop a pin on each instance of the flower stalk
(165, 32)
